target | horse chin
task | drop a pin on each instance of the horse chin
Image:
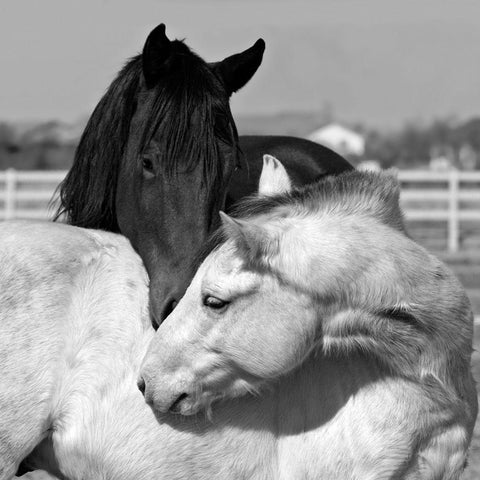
(190, 405)
(193, 404)
(186, 408)
(206, 400)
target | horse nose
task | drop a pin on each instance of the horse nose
(141, 385)
(171, 403)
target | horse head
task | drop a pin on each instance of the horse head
(156, 158)
(238, 324)
(297, 271)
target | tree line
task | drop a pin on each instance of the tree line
(412, 146)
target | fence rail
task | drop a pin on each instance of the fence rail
(27, 194)
(451, 198)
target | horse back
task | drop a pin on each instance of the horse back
(305, 162)
(50, 274)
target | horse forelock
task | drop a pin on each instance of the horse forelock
(190, 113)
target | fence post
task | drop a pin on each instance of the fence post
(10, 189)
(453, 211)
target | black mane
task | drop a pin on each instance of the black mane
(87, 195)
(189, 109)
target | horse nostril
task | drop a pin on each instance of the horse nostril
(175, 407)
(141, 385)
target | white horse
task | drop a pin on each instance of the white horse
(74, 327)
(354, 340)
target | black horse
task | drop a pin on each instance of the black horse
(160, 156)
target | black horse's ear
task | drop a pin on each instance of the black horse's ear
(238, 69)
(155, 53)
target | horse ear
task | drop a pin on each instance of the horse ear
(238, 69)
(274, 179)
(250, 238)
(156, 51)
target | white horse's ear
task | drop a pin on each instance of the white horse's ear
(274, 179)
(251, 238)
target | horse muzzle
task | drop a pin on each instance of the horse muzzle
(166, 398)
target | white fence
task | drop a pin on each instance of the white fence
(27, 194)
(451, 197)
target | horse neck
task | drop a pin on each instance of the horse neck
(345, 260)
(379, 292)
(312, 394)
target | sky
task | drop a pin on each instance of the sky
(380, 62)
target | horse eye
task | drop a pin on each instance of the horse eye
(214, 302)
(147, 164)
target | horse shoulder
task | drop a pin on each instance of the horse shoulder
(403, 305)
(72, 303)
(35, 294)
(380, 425)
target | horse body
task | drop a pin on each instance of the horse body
(284, 435)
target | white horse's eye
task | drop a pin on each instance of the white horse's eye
(214, 302)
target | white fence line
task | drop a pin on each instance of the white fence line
(456, 193)
(26, 194)
(452, 197)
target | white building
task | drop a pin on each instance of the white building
(369, 166)
(340, 139)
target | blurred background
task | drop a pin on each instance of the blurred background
(384, 83)
(401, 79)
